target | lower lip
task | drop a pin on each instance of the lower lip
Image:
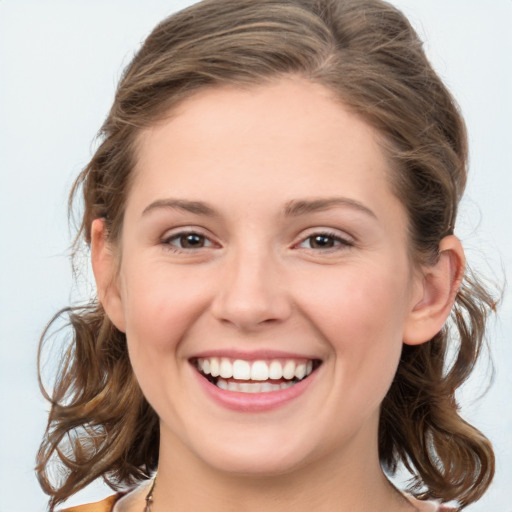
(254, 402)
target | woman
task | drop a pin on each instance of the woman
(270, 216)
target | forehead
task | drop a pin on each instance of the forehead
(273, 142)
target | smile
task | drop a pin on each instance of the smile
(259, 376)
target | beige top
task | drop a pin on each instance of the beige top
(429, 506)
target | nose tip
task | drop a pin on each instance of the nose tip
(251, 297)
(247, 318)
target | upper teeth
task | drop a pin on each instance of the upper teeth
(254, 370)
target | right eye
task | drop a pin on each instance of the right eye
(187, 241)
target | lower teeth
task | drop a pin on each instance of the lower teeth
(252, 387)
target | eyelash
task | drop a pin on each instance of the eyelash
(337, 242)
(167, 242)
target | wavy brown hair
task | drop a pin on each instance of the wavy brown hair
(366, 52)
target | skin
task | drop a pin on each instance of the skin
(257, 281)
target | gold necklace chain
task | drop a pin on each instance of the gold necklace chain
(149, 497)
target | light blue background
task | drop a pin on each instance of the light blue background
(59, 63)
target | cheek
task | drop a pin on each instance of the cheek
(360, 303)
(362, 317)
(160, 309)
(160, 306)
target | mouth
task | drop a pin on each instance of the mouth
(259, 376)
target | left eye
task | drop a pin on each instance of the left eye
(323, 241)
(188, 241)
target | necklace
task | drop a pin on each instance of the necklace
(149, 497)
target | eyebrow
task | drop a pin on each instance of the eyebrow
(299, 207)
(197, 207)
(293, 208)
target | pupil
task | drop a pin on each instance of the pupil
(189, 241)
(322, 241)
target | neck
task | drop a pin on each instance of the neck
(352, 482)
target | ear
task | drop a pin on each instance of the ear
(437, 288)
(105, 268)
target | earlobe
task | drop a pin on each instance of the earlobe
(437, 292)
(104, 266)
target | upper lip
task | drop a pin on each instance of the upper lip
(253, 355)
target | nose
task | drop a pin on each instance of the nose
(251, 292)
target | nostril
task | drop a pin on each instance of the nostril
(250, 313)
(250, 317)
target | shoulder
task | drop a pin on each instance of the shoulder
(105, 505)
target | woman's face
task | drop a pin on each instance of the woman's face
(261, 238)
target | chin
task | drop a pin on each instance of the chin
(248, 452)
(260, 464)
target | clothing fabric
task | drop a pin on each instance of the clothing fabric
(107, 505)
(429, 506)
